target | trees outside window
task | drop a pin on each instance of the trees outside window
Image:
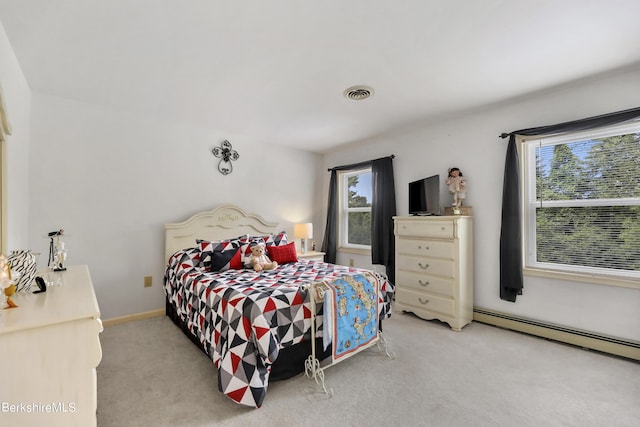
(582, 202)
(355, 209)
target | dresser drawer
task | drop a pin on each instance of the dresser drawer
(425, 283)
(426, 302)
(424, 265)
(437, 229)
(421, 247)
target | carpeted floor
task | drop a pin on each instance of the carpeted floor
(152, 375)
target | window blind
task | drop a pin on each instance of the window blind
(583, 202)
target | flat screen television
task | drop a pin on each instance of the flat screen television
(424, 196)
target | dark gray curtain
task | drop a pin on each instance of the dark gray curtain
(383, 208)
(329, 243)
(511, 282)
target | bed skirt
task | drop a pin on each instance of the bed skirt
(290, 361)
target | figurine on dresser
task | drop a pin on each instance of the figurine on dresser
(7, 287)
(57, 252)
(457, 186)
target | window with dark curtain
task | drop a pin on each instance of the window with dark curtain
(511, 280)
(383, 208)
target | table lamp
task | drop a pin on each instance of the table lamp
(303, 232)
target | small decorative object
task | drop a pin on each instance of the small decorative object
(259, 260)
(6, 284)
(42, 286)
(313, 246)
(303, 232)
(462, 210)
(226, 153)
(57, 252)
(24, 263)
(458, 187)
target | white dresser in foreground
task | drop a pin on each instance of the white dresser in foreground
(49, 351)
(434, 268)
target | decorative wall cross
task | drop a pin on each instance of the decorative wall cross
(226, 153)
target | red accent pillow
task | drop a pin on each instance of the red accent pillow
(283, 254)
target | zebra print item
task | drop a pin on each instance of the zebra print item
(23, 262)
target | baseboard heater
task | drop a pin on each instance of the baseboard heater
(607, 344)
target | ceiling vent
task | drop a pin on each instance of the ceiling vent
(358, 93)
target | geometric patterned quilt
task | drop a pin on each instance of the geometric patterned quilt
(242, 318)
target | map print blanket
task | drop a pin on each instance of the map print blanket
(354, 316)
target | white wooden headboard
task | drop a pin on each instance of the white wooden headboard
(223, 222)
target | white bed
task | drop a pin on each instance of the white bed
(220, 223)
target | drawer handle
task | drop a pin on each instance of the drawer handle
(426, 248)
(425, 301)
(424, 267)
(423, 283)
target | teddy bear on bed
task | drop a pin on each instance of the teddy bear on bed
(258, 259)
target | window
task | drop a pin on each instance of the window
(582, 202)
(355, 209)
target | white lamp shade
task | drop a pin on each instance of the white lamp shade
(303, 231)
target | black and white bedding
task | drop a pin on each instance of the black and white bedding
(243, 319)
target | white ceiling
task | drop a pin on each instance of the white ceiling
(276, 70)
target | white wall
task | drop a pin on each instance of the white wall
(112, 180)
(472, 144)
(17, 97)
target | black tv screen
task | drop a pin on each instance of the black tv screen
(424, 196)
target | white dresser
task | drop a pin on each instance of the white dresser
(434, 268)
(49, 351)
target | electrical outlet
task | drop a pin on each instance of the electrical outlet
(148, 281)
(350, 262)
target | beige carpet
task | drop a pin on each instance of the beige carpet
(152, 375)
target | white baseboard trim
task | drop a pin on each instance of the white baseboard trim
(585, 339)
(132, 317)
